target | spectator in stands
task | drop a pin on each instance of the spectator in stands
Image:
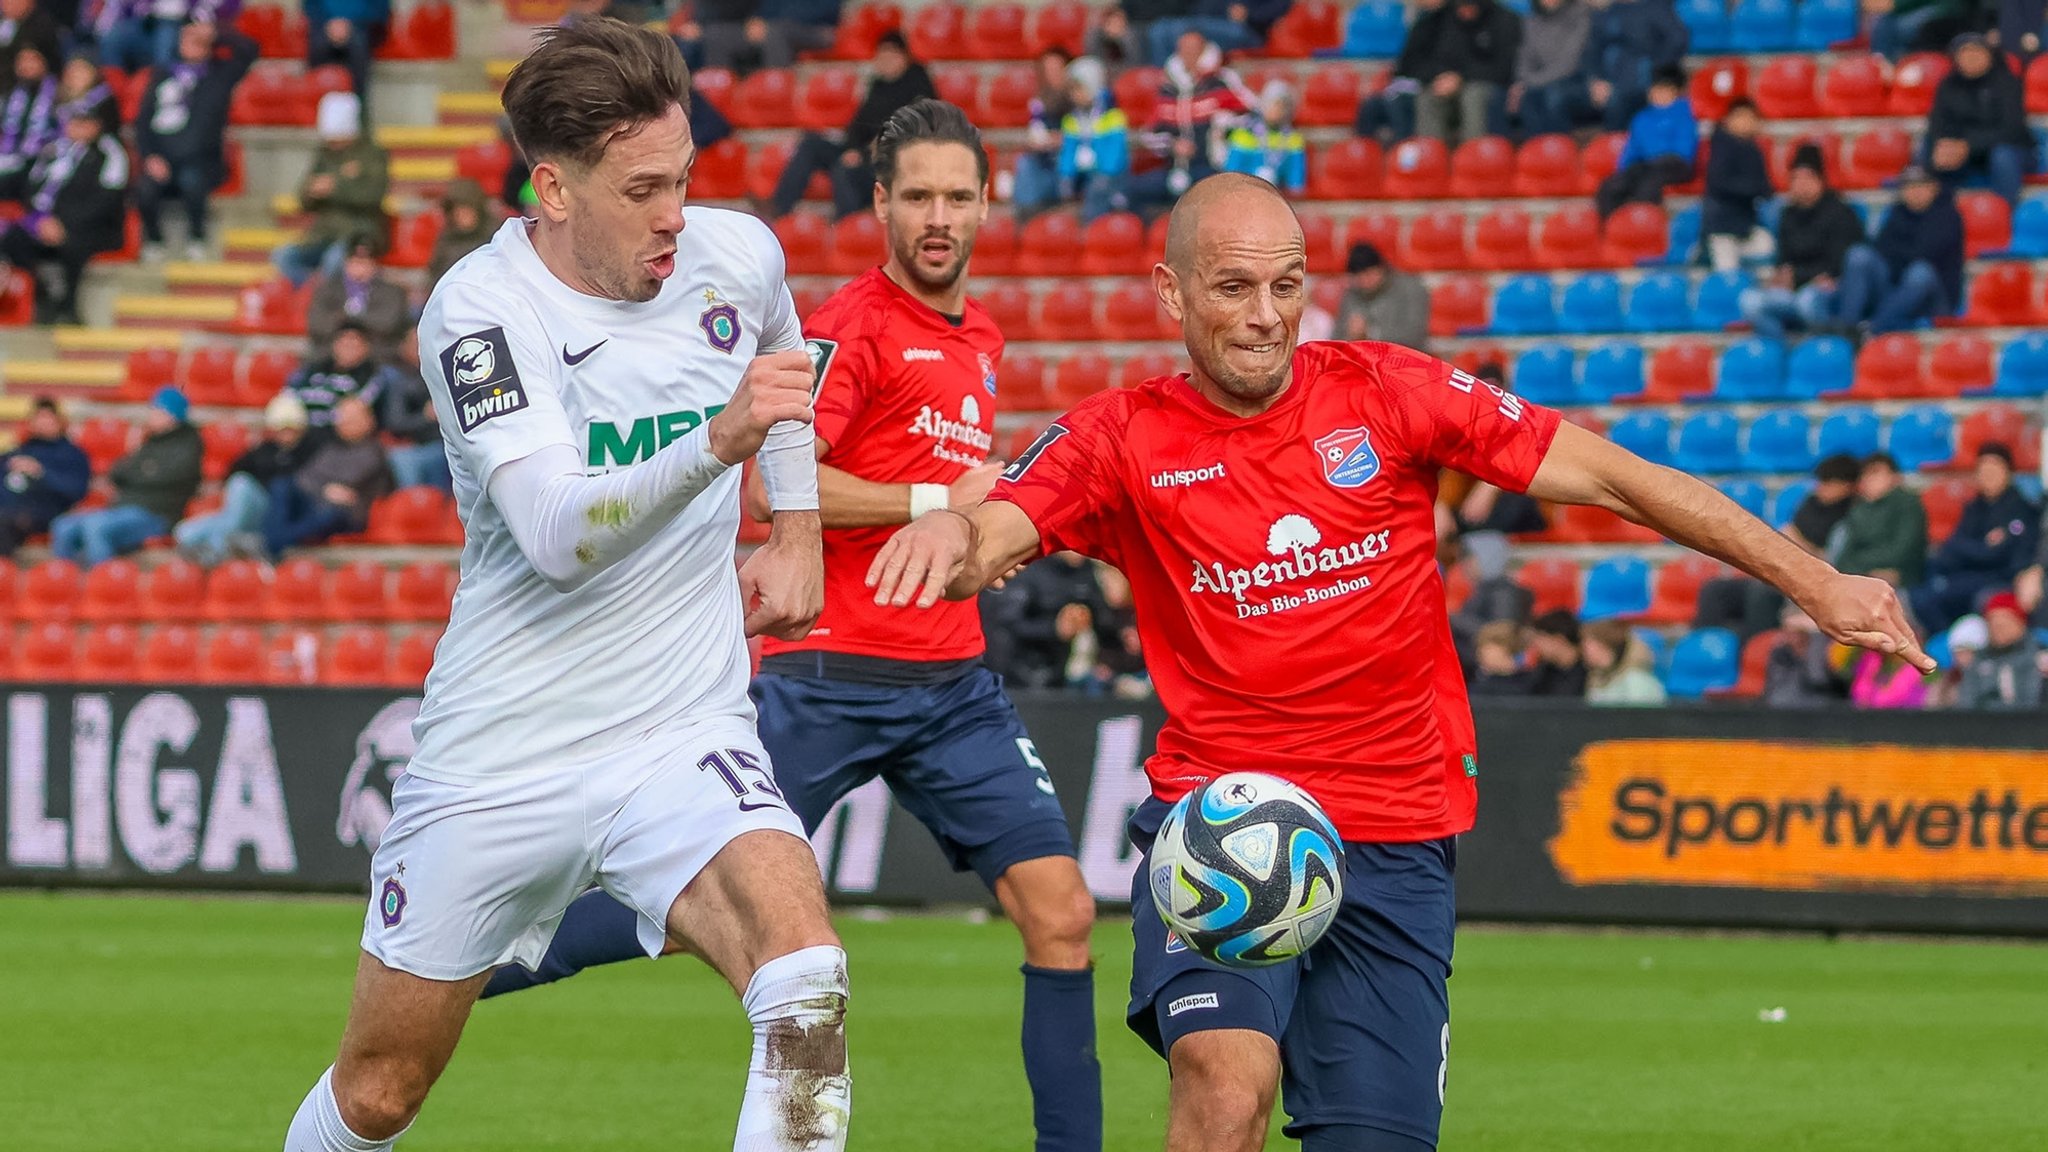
(152, 485)
(1620, 669)
(346, 32)
(1497, 662)
(363, 295)
(897, 82)
(1662, 149)
(1886, 681)
(1748, 607)
(1816, 231)
(1897, 25)
(1965, 639)
(1095, 143)
(1389, 114)
(1630, 41)
(1978, 125)
(1548, 91)
(1037, 181)
(1554, 638)
(1992, 543)
(26, 24)
(1885, 532)
(1738, 182)
(77, 199)
(345, 371)
(2020, 24)
(1266, 145)
(1800, 671)
(1199, 101)
(2028, 584)
(344, 191)
(466, 225)
(138, 34)
(2006, 675)
(236, 527)
(1120, 656)
(1913, 270)
(1113, 39)
(1487, 509)
(406, 414)
(1232, 25)
(1047, 616)
(333, 490)
(41, 478)
(787, 27)
(1467, 71)
(718, 31)
(1382, 302)
(1495, 594)
(28, 120)
(181, 132)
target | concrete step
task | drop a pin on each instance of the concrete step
(33, 375)
(433, 138)
(466, 108)
(75, 343)
(176, 309)
(214, 276)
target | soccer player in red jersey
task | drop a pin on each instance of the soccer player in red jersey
(1274, 510)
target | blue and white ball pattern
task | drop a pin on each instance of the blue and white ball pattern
(1247, 870)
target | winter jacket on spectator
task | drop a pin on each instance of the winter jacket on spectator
(402, 402)
(321, 385)
(362, 177)
(455, 242)
(1799, 674)
(1984, 112)
(359, 466)
(1886, 534)
(162, 474)
(1259, 15)
(884, 99)
(1935, 236)
(184, 114)
(1025, 615)
(85, 187)
(1968, 550)
(1197, 104)
(361, 13)
(65, 477)
(268, 460)
(37, 30)
(1483, 48)
(1275, 154)
(1095, 140)
(1737, 181)
(1667, 131)
(379, 305)
(2003, 679)
(817, 13)
(1887, 682)
(1552, 43)
(1814, 241)
(1634, 37)
(28, 124)
(1398, 313)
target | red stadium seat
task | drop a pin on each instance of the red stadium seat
(1756, 659)
(1887, 367)
(293, 657)
(208, 375)
(1679, 369)
(412, 240)
(1006, 101)
(2037, 86)
(720, 172)
(1417, 169)
(113, 591)
(959, 85)
(264, 374)
(1131, 311)
(1675, 590)
(1914, 81)
(857, 245)
(1082, 376)
(359, 656)
(485, 162)
(995, 246)
(1784, 89)
(1020, 382)
(805, 238)
(938, 31)
(1137, 93)
(1959, 364)
(766, 99)
(1997, 424)
(1319, 240)
(51, 591)
(298, 590)
(1943, 501)
(1382, 230)
(1114, 245)
(1009, 305)
(1599, 158)
(359, 591)
(148, 370)
(48, 651)
(1875, 156)
(424, 591)
(1329, 97)
(270, 308)
(715, 85)
(996, 32)
(859, 29)
(407, 516)
(1456, 304)
(1062, 23)
(1346, 170)
(1717, 84)
(232, 655)
(2002, 294)
(1482, 167)
(1436, 240)
(414, 657)
(104, 440)
(236, 590)
(1987, 221)
(1151, 366)
(1307, 26)
(10, 591)
(1635, 234)
(223, 441)
(826, 98)
(173, 590)
(1569, 238)
(264, 23)
(1500, 240)
(1553, 581)
(111, 654)
(1047, 244)
(1855, 86)
(1585, 524)
(1066, 312)
(170, 655)
(1547, 166)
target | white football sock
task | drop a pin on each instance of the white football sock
(798, 1093)
(318, 1127)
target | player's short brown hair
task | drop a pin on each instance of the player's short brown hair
(926, 121)
(588, 81)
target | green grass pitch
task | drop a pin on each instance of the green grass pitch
(171, 1023)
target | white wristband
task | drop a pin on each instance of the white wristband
(929, 498)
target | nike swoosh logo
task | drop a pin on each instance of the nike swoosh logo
(572, 359)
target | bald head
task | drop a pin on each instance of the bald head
(1234, 277)
(1227, 201)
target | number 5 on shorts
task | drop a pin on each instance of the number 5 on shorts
(1029, 752)
(733, 761)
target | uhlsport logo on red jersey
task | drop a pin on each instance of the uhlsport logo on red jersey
(1347, 456)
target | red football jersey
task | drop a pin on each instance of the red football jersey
(906, 397)
(1284, 570)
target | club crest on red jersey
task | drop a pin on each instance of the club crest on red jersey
(1347, 456)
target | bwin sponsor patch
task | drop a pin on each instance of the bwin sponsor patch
(483, 383)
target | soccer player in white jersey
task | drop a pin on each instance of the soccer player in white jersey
(601, 371)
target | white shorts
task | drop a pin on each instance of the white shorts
(471, 876)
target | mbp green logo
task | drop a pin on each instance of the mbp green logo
(613, 445)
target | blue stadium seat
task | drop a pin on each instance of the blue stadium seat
(1685, 235)
(1592, 303)
(1760, 26)
(1720, 301)
(1708, 22)
(1611, 372)
(2030, 229)
(1820, 366)
(1752, 369)
(1863, 212)
(1780, 440)
(1523, 307)
(1616, 586)
(1709, 443)
(1922, 435)
(1660, 649)
(1659, 303)
(1853, 430)
(1544, 374)
(1823, 22)
(1704, 660)
(1376, 28)
(1647, 434)
(1787, 501)
(2023, 367)
(1749, 495)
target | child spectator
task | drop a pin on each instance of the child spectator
(181, 132)
(245, 498)
(1095, 142)
(41, 478)
(1738, 182)
(333, 490)
(152, 485)
(1266, 144)
(1662, 149)
(1620, 668)
(77, 199)
(466, 225)
(2006, 675)
(1037, 181)
(1497, 667)
(344, 190)
(1548, 91)
(28, 120)
(363, 295)
(1467, 71)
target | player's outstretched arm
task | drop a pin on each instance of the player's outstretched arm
(1582, 468)
(956, 554)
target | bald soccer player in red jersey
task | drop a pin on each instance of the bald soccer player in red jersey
(1274, 512)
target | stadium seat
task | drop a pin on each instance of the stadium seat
(232, 655)
(1577, 523)
(1675, 588)
(1081, 376)
(1708, 21)
(358, 656)
(1523, 307)
(995, 246)
(1636, 234)
(1997, 424)
(112, 591)
(1960, 364)
(1704, 660)
(47, 651)
(1680, 370)
(1821, 23)
(766, 99)
(264, 374)
(1683, 243)
(825, 99)
(1755, 662)
(959, 85)
(236, 590)
(424, 591)
(1436, 241)
(412, 240)
(2001, 294)
(1720, 300)
(1137, 93)
(414, 657)
(1752, 369)
(407, 516)
(1875, 156)
(1787, 501)
(1943, 501)
(271, 308)
(1066, 312)
(1329, 97)
(293, 657)
(170, 656)
(1853, 429)
(1853, 86)
(1616, 587)
(1114, 245)
(1784, 89)
(806, 238)
(1569, 238)
(1611, 372)
(222, 442)
(996, 32)
(1599, 159)
(1553, 581)
(207, 375)
(487, 160)
(1761, 26)
(1500, 240)
(1921, 436)
(1820, 366)
(51, 591)
(1591, 303)
(1780, 440)
(1318, 238)
(1047, 244)
(1009, 305)
(1375, 28)
(1417, 169)
(1647, 434)
(103, 440)
(2037, 86)
(1716, 84)
(1150, 366)
(298, 590)
(1006, 102)
(1888, 367)
(1748, 495)
(148, 370)
(110, 654)
(359, 591)
(1457, 304)
(1547, 166)
(2023, 367)
(857, 245)
(1543, 374)
(1131, 311)
(1482, 167)
(173, 590)
(1708, 443)
(1020, 382)
(1658, 304)
(10, 591)
(1987, 221)
(1914, 81)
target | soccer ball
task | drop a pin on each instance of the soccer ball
(1247, 870)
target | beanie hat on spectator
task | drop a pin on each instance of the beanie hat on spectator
(1969, 634)
(2004, 602)
(1363, 257)
(172, 402)
(340, 116)
(1089, 75)
(893, 38)
(284, 411)
(1808, 156)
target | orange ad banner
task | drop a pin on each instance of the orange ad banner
(1806, 817)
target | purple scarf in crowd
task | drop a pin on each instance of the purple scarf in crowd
(27, 123)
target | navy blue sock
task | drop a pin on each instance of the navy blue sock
(595, 930)
(1059, 1059)
(1359, 1138)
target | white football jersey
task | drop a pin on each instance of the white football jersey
(528, 678)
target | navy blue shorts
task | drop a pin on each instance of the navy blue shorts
(1363, 1020)
(953, 753)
